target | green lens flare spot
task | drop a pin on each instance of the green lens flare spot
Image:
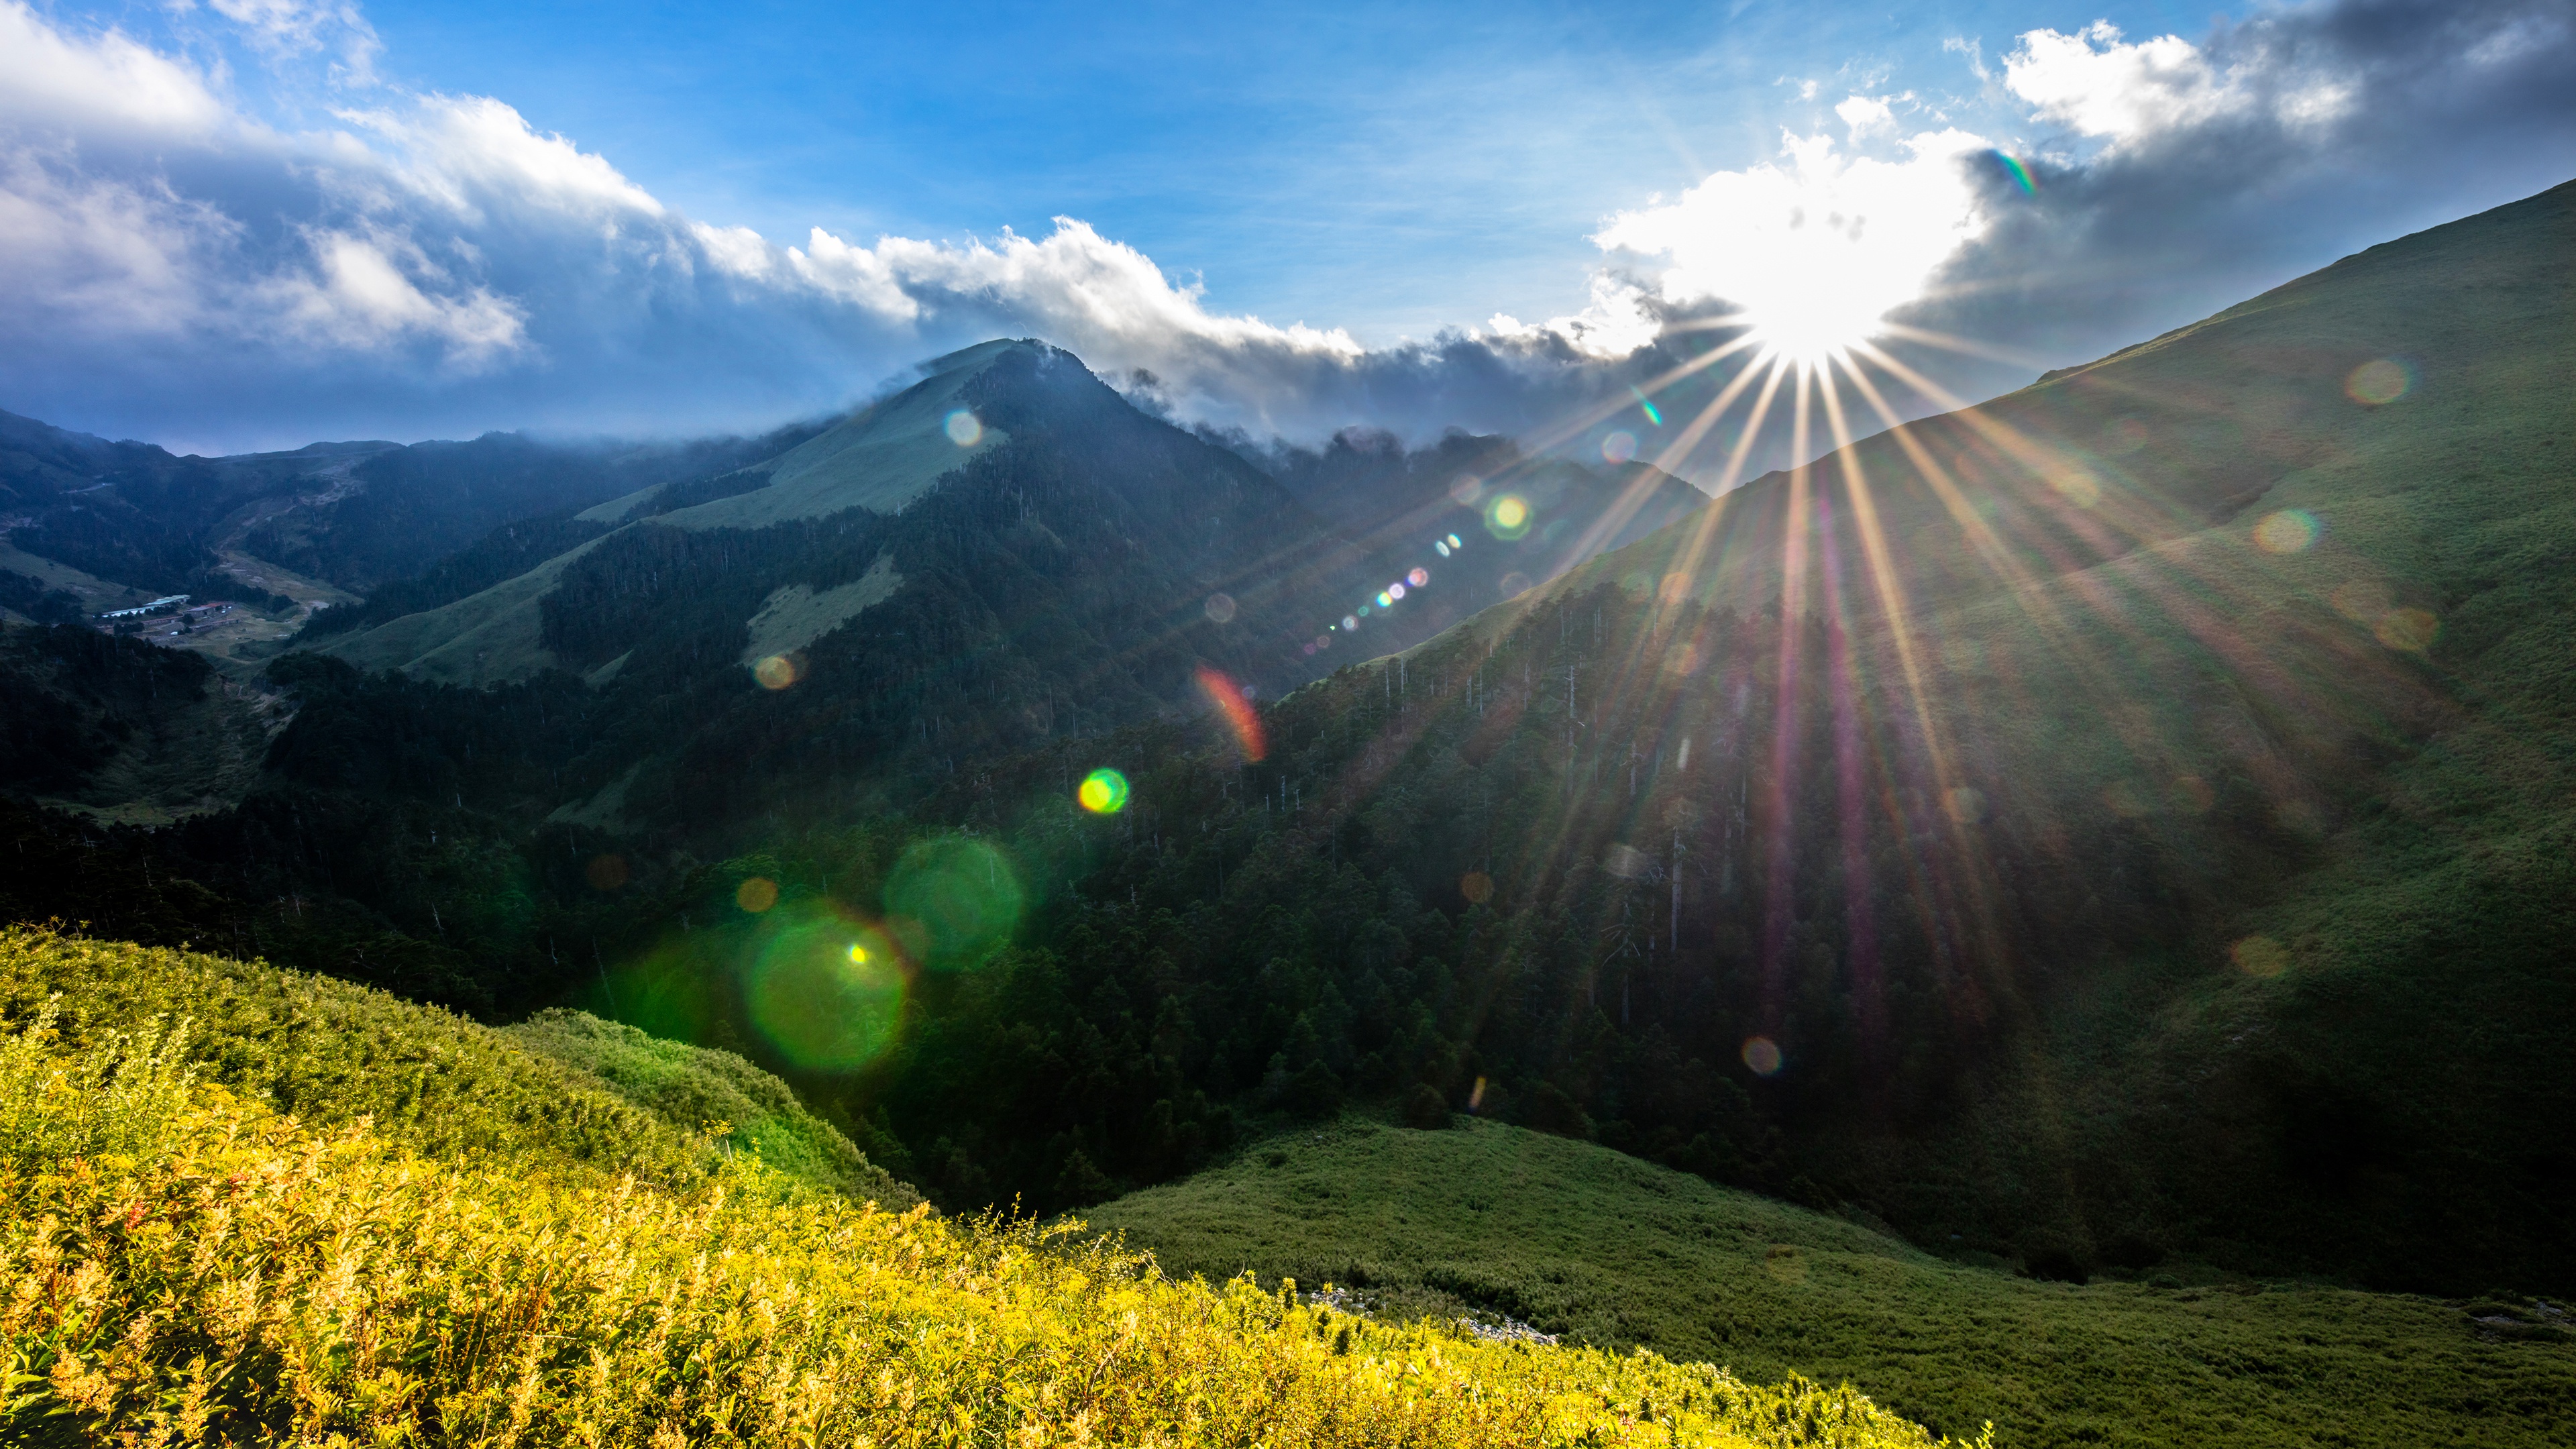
(1103, 792)
(827, 991)
(963, 895)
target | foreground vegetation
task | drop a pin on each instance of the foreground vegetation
(182, 1264)
(565, 1091)
(1607, 1250)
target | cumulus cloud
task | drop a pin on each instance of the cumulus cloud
(174, 262)
(2174, 177)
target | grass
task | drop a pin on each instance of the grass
(493, 637)
(183, 1264)
(1585, 1242)
(795, 615)
(566, 1089)
(688, 1084)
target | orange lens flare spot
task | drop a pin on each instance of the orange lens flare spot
(605, 872)
(1476, 1097)
(1762, 1055)
(1102, 792)
(757, 894)
(2289, 531)
(2379, 383)
(2410, 630)
(2260, 956)
(779, 670)
(1233, 704)
(1477, 887)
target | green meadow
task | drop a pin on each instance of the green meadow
(1601, 1248)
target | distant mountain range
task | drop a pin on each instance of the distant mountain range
(2125, 822)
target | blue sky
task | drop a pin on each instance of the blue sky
(228, 224)
(1389, 169)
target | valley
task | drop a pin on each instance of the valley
(2051, 913)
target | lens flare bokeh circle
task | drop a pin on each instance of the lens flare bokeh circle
(2379, 383)
(1619, 447)
(1508, 516)
(962, 892)
(2290, 530)
(1102, 792)
(826, 990)
(964, 428)
(1762, 1055)
(756, 894)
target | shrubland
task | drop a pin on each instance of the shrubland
(182, 1262)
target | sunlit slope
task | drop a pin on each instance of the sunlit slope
(880, 457)
(565, 1091)
(2220, 692)
(1605, 1249)
(186, 1262)
(2259, 407)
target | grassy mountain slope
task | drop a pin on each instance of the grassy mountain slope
(564, 1089)
(2162, 857)
(1585, 1242)
(184, 1264)
(2348, 741)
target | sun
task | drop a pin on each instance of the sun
(1815, 325)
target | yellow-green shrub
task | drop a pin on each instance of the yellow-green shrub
(261, 1282)
(333, 1052)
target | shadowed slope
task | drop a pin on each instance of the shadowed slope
(1582, 1241)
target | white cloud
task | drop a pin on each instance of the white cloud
(1865, 114)
(297, 27)
(172, 260)
(2127, 92)
(71, 85)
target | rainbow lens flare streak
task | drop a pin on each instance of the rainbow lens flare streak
(2020, 173)
(1227, 699)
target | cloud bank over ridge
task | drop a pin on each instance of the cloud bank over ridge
(187, 256)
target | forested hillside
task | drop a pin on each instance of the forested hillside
(2122, 824)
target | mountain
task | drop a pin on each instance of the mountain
(1006, 552)
(2125, 822)
(113, 523)
(2117, 828)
